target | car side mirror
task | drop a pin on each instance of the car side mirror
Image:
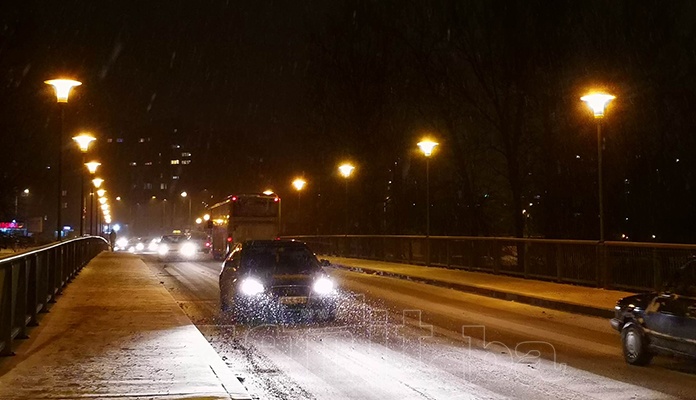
(324, 263)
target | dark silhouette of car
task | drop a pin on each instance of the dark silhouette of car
(660, 322)
(273, 280)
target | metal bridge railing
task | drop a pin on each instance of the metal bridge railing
(611, 265)
(31, 280)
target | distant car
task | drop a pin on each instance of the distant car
(182, 246)
(274, 279)
(202, 241)
(660, 322)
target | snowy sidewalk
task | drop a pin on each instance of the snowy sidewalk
(116, 332)
(563, 297)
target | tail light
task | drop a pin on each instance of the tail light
(229, 239)
(207, 244)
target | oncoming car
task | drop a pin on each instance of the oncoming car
(273, 279)
(660, 322)
(182, 246)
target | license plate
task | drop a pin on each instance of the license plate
(293, 300)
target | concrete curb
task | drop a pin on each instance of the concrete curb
(488, 292)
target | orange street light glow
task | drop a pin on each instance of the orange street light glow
(299, 183)
(597, 102)
(427, 146)
(83, 141)
(346, 170)
(92, 166)
(62, 87)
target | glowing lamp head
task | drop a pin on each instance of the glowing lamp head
(92, 166)
(103, 200)
(184, 194)
(63, 87)
(346, 170)
(101, 192)
(267, 192)
(206, 217)
(427, 146)
(97, 182)
(83, 141)
(597, 102)
(299, 184)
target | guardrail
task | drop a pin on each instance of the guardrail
(610, 265)
(29, 281)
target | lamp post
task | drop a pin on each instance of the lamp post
(427, 146)
(92, 168)
(598, 102)
(299, 184)
(62, 88)
(100, 193)
(346, 171)
(185, 195)
(83, 141)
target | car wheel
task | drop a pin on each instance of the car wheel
(635, 346)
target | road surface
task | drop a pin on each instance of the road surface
(395, 339)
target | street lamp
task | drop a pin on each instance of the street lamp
(185, 195)
(346, 170)
(62, 88)
(427, 146)
(598, 102)
(92, 168)
(83, 142)
(97, 182)
(299, 184)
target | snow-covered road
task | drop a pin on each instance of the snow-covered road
(402, 340)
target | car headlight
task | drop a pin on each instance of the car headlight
(323, 285)
(152, 246)
(188, 249)
(251, 287)
(163, 249)
(139, 247)
(122, 243)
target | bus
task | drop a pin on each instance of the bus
(243, 217)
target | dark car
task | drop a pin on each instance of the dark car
(274, 280)
(660, 322)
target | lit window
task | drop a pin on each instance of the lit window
(175, 177)
(119, 140)
(175, 162)
(142, 140)
(133, 163)
(186, 162)
(163, 186)
(148, 163)
(186, 154)
(147, 186)
(65, 192)
(109, 140)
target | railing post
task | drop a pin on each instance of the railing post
(34, 289)
(657, 271)
(602, 267)
(21, 299)
(6, 311)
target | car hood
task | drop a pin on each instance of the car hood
(637, 301)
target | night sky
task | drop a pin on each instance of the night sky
(262, 91)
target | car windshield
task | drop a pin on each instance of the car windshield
(172, 239)
(280, 260)
(683, 281)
